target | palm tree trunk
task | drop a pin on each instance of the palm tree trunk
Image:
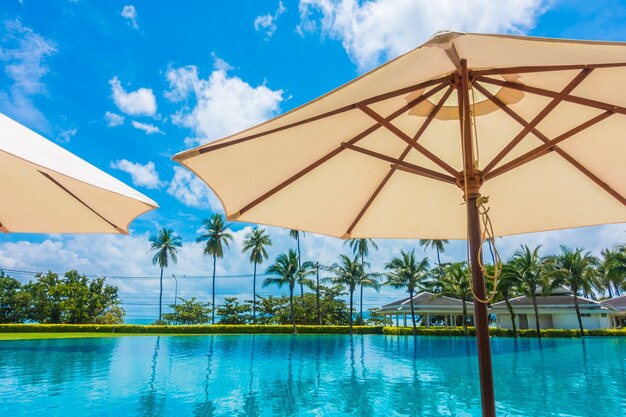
(413, 313)
(580, 320)
(351, 296)
(213, 291)
(438, 257)
(617, 291)
(608, 287)
(510, 307)
(160, 294)
(254, 295)
(299, 265)
(293, 320)
(317, 286)
(536, 314)
(361, 302)
(464, 317)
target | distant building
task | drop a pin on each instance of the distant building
(617, 313)
(430, 309)
(556, 311)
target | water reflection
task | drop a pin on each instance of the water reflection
(276, 375)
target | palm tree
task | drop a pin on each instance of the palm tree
(295, 234)
(166, 244)
(438, 244)
(288, 273)
(256, 242)
(350, 273)
(360, 247)
(407, 272)
(216, 235)
(577, 270)
(613, 269)
(531, 272)
(455, 283)
(508, 284)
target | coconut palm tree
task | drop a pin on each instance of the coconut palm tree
(407, 272)
(256, 241)
(216, 234)
(455, 283)
(360, 248)
(613, 270)
(508, 285)
(295, 234)
(289, 273)
(532, 272)
(166, 244)
(350, 273)
(438, 244)
(577, 270)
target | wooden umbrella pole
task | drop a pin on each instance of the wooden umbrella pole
(472, 182)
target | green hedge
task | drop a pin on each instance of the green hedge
(200, 329)
(458, 331)
(285, 329)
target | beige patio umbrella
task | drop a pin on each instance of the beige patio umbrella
(537, 125)
(47, 189)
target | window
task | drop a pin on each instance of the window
(603, 314)
(585, 314)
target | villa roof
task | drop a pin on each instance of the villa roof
(549, 301)
(425, 300)
(617, 303)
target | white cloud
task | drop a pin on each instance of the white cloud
(144, 175)
(374, 31)
(191, 191)
(222, 104)
(113, 119)
(64, 136)
(146, 127)
(24, 54)
(267, 23)
(129, 13)
(135, 103)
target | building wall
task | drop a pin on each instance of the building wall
(565, 320)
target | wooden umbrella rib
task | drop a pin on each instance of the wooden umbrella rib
(544, 68)
(393, 168)
(537, 119)
(371, 100)
(399, 163)
(546, 147)
(58, 184)
(557, 149)
(549, 93)
(336, 151)
(399, 133)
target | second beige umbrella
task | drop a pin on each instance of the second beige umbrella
(46, 189)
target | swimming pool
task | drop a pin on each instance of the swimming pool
(329, 375)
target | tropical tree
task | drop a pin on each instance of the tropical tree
(166, 245)
(216, 234)
(612, 270)
(438, 244)
(361, 249)
(406, 271)
(349, 273)
(288, 272)
(532, 272)
(455, 283)
(256, 241)
(295, 234)
(188, 312)
(577, 270)
(508, 284)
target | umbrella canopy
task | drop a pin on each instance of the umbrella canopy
(381, 156)
(46, 189)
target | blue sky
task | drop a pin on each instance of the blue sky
(125, 85)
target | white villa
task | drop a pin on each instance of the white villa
(430, 309)
(617, 313)
(556, 311)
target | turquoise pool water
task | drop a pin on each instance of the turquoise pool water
(307, 375)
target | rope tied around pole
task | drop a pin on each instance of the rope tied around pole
(487, 232)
